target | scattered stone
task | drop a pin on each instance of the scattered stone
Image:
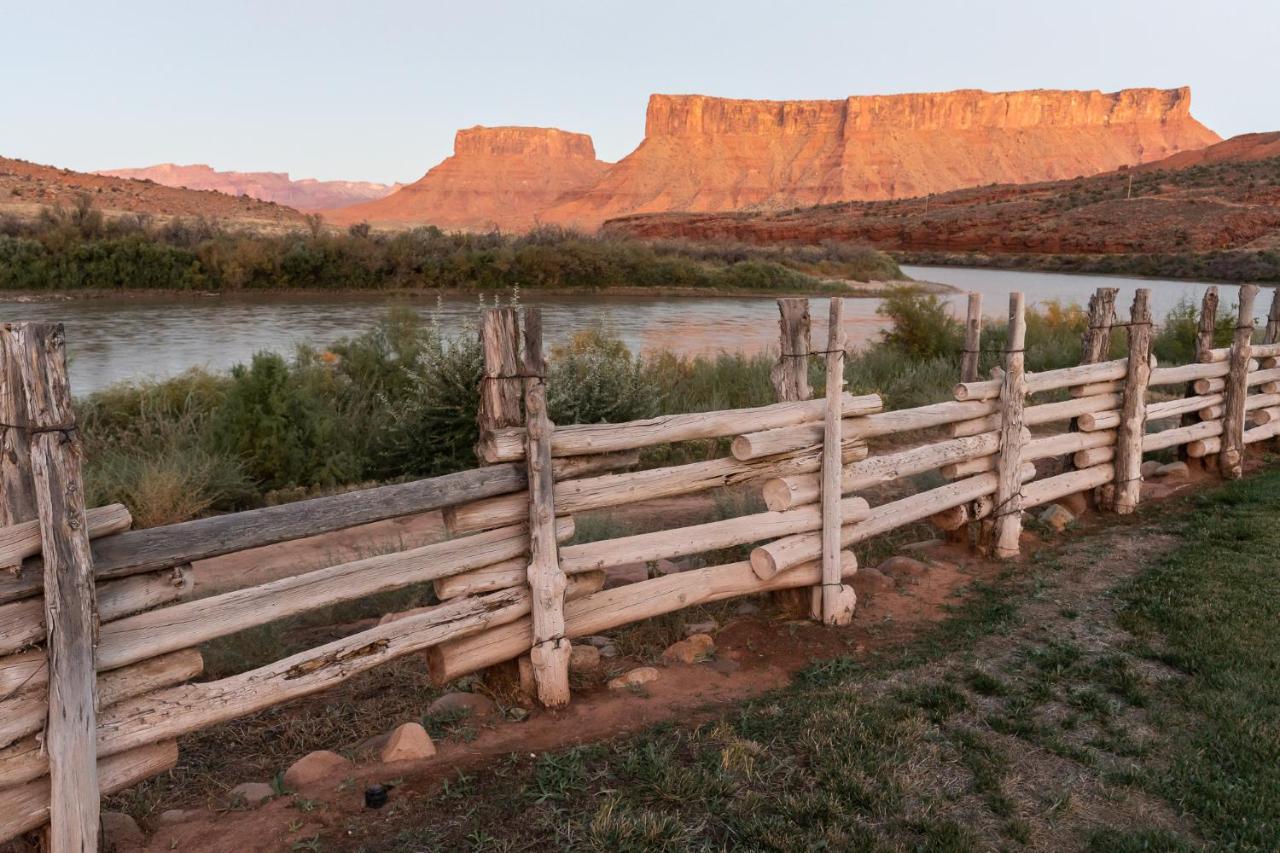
(634, 678)
(584, 659)
(695, 648)
(923, 545)
(315, 767)
(408, 742)
(1057, 516)
(1077, 504)
(518, 714)
(899, 567)
(120, 832)
(473, 705)
(871, 580)
(598, 641)
(1149, 469)
(747, 608)
(170, 817)
(710, 626)
(1174, 470)
(251, 794)
(609, 651)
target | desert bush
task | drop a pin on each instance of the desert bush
(922, 327)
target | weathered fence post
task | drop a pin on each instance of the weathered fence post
(547, 582)
(71, 617)
(1096, 340)
(837, 599)
(1133, 411)
(1231, 456)
(1008, 498)
(790, 376)
(1205, 330)
(1272, 334)
(972, 340)
(17, 495)
(500, 389)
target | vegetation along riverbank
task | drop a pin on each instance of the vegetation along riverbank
(399, 401)
(79, 249)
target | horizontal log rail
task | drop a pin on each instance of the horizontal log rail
(156, 548)
(578, 439)
(614, 607)
(23, 540)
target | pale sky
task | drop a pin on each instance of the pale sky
(374, 89)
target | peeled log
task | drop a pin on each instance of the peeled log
(1049, 380)
(23, 540)
(781, 493)
(1051, 488)
(23, 713)
(22, 622)
(1042, 414)
(178, 710)
(580, 439)
(620, 606)
(700, 538)
(168, 629)
(777, 557)
(754, 445)
(26, 807)
(637, 486)
(1155, 412)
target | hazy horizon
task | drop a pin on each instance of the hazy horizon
(314, 91)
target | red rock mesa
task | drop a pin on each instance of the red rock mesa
(305, 194)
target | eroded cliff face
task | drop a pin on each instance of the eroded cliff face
(304, 194)
(498, 177)
(706, 154)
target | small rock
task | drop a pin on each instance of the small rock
(1076, 504)
(710, 626)
(899, 567)
(634, 678)
(314, 767)
(584, 659)
(923, 545)
(870, 580)
(473, 705)
(371, 745)
(609, 651)
(747, 608)
(1174, 470)
(251, 794)
(120, 832)
(170, 817)
(408, 742)
(1149, 469)
(1057, 516)
(598, 641)
(695, 648)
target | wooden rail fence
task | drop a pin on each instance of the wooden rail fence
(100, 634)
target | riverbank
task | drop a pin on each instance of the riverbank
(81, 249)
(1226, 267)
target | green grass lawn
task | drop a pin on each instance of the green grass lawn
(1117, 693)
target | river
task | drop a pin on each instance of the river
(112, 340)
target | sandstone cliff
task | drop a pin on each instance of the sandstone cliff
(304, 194)
(502, 177)
(1223, 197)
(717, 154)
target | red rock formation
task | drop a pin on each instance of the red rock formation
(305, 194)
(1168, 206)
(717, 154)
(501, 177)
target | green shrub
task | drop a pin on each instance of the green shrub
(922, 324)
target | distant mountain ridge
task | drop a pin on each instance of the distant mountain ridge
(306, 194)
